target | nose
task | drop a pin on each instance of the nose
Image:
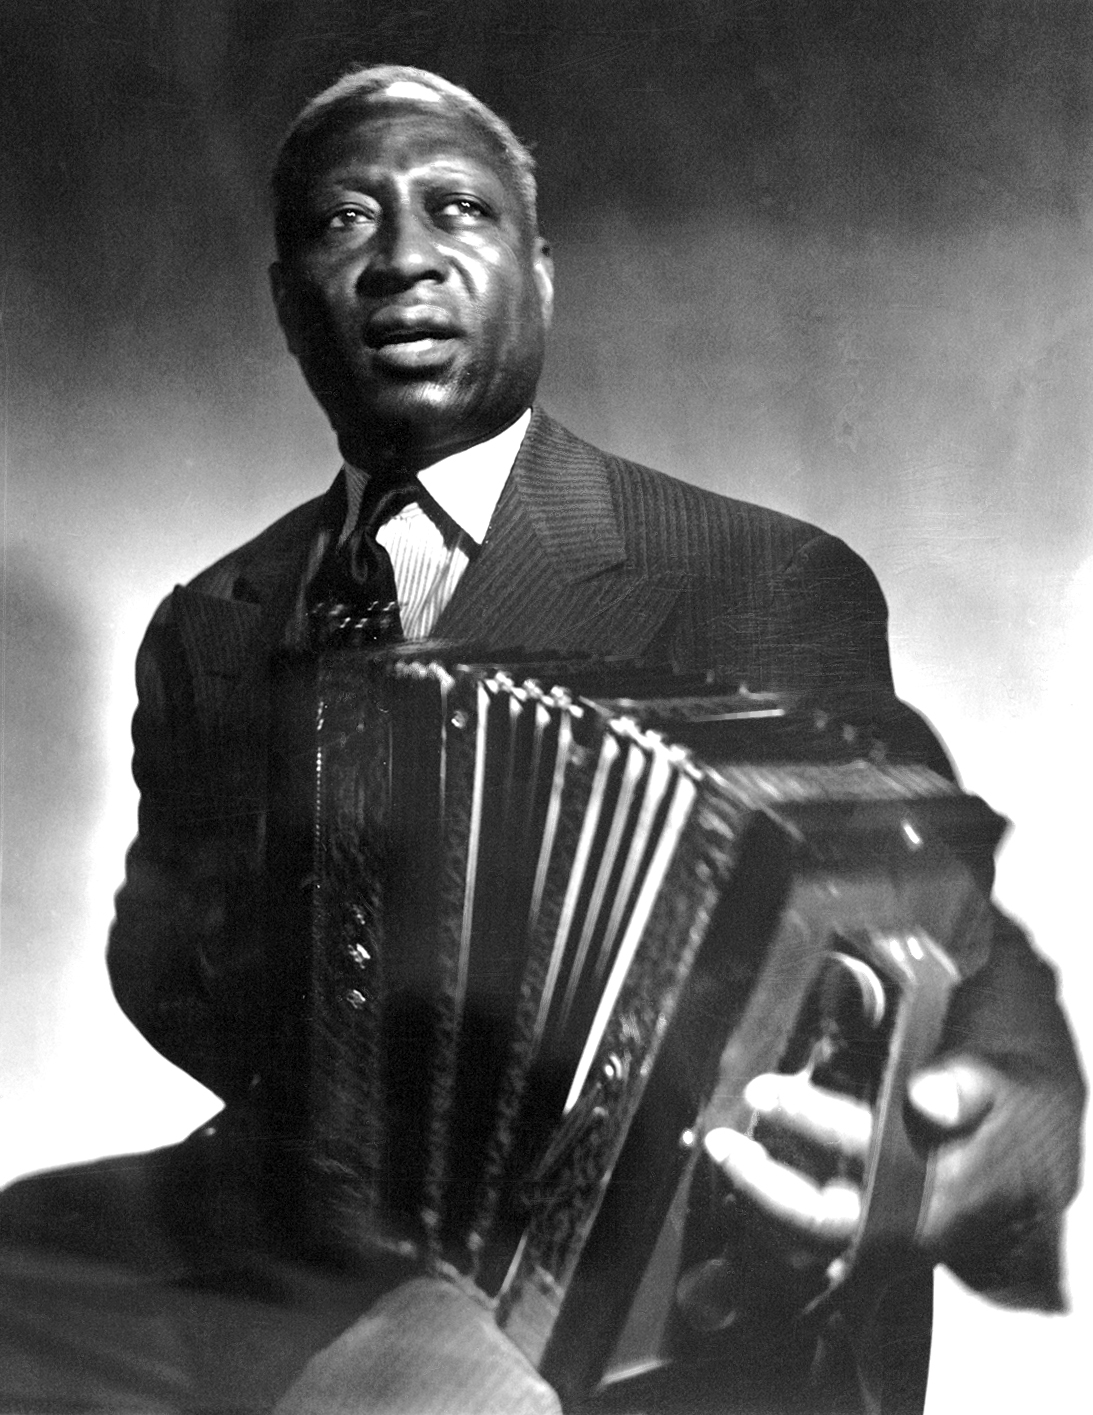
(404, 252)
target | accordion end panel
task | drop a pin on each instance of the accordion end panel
(837, 941)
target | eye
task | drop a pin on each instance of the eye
(347, 218)
(462, 211)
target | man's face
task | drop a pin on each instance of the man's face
(417, 301)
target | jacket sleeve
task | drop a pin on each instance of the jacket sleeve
(183, 953)
(829, 636)
(1008, 1243)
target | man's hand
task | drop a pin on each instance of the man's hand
(819, 1215)
(973, 1117)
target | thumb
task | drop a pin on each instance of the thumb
(953, 1095)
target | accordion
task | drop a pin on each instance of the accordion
(556, 916)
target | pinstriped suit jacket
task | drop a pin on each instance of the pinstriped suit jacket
(586, 553)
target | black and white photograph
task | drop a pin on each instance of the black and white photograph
(545, 776)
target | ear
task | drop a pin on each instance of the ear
(284, 302)
(542, 265)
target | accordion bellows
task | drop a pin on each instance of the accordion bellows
(551, 926)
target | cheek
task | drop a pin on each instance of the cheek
(493, 279)
(330, 286)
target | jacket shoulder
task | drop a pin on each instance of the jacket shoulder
(699, 505)
(234, 575)
(674, 524)
(771, 598)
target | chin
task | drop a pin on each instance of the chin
(418, 412)
(420, 403)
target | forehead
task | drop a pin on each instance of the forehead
(396, 136)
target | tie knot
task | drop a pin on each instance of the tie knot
(383, 499)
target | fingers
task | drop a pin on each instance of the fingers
(834, 1122)
(820, 1213)
(954, 1096)
(826, 1214)
(962, 1100)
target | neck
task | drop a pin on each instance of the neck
(396, 451)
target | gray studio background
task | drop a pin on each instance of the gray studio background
(830, 256)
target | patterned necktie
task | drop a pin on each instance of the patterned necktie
(352, 601)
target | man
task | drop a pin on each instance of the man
(415, 291)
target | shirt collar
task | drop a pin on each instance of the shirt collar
(467, 485)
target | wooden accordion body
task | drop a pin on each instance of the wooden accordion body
(559, 915)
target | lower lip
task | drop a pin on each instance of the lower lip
(414, 353)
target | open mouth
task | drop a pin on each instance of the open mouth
(409, 330)
(393, 337)
(413, 353)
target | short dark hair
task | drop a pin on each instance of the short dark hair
(351, 94)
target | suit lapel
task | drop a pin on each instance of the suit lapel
(554, 572)
(230, 635)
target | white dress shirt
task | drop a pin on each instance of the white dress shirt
(431, 540)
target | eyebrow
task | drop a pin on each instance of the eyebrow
(364, 177)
